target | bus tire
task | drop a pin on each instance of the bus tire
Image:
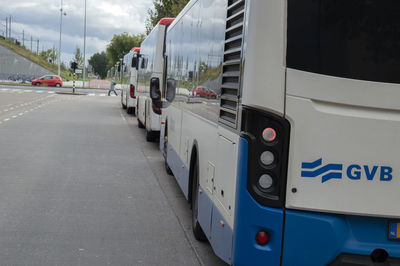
(196, 228)
(149, 136)
(130, 110)
(122, 100)
(167, 168)
(140, 125)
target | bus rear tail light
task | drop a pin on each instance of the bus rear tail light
(132, 91)
(156, 109)
(268, 138)
(262, 238)
(269, 134)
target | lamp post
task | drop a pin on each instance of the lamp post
(84, 48)
(59, 44)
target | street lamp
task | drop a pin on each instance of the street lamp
(59, 44)
(84, 48)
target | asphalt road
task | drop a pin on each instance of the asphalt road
(79, 185)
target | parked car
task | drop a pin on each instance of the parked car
(48, 80)
(200, 91)
(211, 94)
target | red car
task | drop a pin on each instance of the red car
(200, 91)
(48, 80)
(211, 94)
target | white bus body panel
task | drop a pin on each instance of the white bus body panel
(131, 102)
(264, 71)
(217, 153)
(348, 122)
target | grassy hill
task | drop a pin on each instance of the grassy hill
(34, 58)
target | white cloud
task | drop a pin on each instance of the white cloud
(105, 18)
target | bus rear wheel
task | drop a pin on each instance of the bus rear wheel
(165, 153)
(140, 125)
(197, 230)
(130, 110)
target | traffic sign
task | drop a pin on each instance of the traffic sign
(78, 71)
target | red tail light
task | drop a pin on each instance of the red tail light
(262, 238)
(156, 109)
(132, 91)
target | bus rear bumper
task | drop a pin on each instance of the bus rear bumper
(321, 239)
(304, 237)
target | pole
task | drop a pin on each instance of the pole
(73, 86)
(84, 48)
(6, 28)
(23, 38)
(31, 44)
(37, 47)
(9, 28)
(59, 44)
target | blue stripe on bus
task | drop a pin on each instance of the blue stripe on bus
(181, 173)
(317, 238)
(251, 217)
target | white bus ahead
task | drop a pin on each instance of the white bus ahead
(151, 70)
(296, 160)
(129, 80)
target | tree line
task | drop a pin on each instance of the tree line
(122, 43)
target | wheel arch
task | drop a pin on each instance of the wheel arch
(194, 158)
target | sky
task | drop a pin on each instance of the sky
(41, 20)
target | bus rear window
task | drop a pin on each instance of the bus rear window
(357, 39)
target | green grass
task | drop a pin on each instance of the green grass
(35, 58)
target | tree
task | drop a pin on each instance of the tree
(121, 44)
(99, 62)
(162, 9)
(78, 58)
(50, 55)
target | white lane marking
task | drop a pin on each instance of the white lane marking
(5, 120)
(123, 117)
(39, 91)
(21, 114)
(92, 94)
(28, 90)
(5, 110)
(50, 92)
(14, 116)
(103, 94)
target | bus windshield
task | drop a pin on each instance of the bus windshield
(358, 39)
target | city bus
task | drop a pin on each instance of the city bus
(295, 160)
(151, 68)
(129, 80)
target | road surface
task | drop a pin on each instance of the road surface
(79, 185)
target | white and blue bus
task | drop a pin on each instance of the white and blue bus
(151, 68)
(295, 161)
(129, 80)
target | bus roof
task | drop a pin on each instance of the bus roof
(166, 21)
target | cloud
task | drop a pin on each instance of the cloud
(41, 20)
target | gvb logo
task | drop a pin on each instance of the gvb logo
(353, 172)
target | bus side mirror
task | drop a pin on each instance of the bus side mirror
(155, 93)
(171, 90)
(134, 62)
